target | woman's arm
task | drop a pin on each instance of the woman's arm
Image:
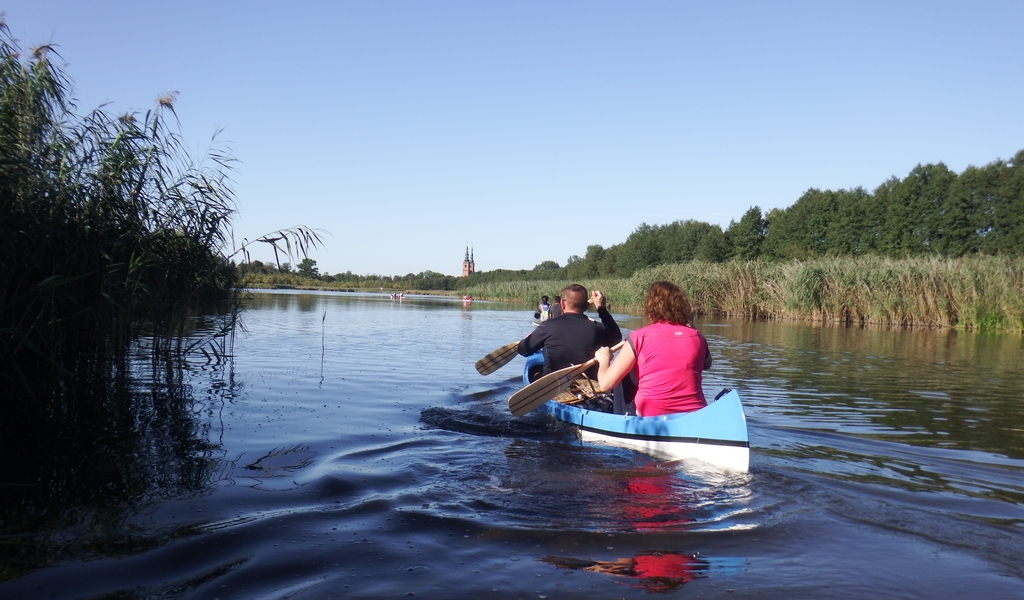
(609, 373)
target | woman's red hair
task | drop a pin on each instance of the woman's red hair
(667, 303)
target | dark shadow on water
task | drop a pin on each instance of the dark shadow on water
(486, 423)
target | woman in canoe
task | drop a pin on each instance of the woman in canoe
(667, 356)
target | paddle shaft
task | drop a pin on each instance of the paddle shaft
(545, 388)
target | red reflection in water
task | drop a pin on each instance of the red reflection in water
(653, 500)
(654, 571)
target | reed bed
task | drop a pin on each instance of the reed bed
(971, 293)
(109, 230)
(107, 225)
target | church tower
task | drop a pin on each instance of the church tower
(468, 265)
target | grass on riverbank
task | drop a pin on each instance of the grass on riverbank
(971, 293)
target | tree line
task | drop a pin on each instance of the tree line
(933, 211)
(307, 273)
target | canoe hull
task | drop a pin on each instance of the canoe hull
(715, 435)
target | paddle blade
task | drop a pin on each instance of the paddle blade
(545, 388)
(497, 359)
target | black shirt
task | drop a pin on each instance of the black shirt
(572, 339)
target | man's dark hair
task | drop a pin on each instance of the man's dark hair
(576, 297)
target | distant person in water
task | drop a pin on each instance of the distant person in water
(573, 338)
(543, 309)
(667, 357)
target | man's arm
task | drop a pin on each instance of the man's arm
(612, 333)
(531, 343)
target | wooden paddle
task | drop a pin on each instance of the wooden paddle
(497, 359)
(545, 388)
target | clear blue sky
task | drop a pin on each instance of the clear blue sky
(533, 129)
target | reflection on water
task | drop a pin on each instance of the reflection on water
(347, 447)
(931, 388)
(113, 439)
(650, 571)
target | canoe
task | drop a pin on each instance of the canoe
(715, 435)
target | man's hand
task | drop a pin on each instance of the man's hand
(597, 299)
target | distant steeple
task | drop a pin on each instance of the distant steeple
(468, 264)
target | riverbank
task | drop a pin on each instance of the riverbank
(980, 293)
(305, 287)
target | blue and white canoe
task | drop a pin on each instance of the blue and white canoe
(715, 435)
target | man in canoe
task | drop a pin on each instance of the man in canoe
(556, 308)
(573, 338)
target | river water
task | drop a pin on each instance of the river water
(347, 448)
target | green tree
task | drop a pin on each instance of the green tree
(681, 239)
(642, 248)
(790, 234)
(1004, 206)
(307, 268)
(965, 219)
(913, 210)
(713, 246)
(745, 238)
(608, 264)
(850, 230)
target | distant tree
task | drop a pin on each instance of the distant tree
(643, 248)
(681, 241)
(547, 265)
(285, 268)
(1004, 207)
(254, 267)
(578, 267)
(816, 213)
(913, 210)
(712, 247)
(854, 225)
(307, 268)
(781, 241)
(745, 238)
(592, 261)
(608, 264)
